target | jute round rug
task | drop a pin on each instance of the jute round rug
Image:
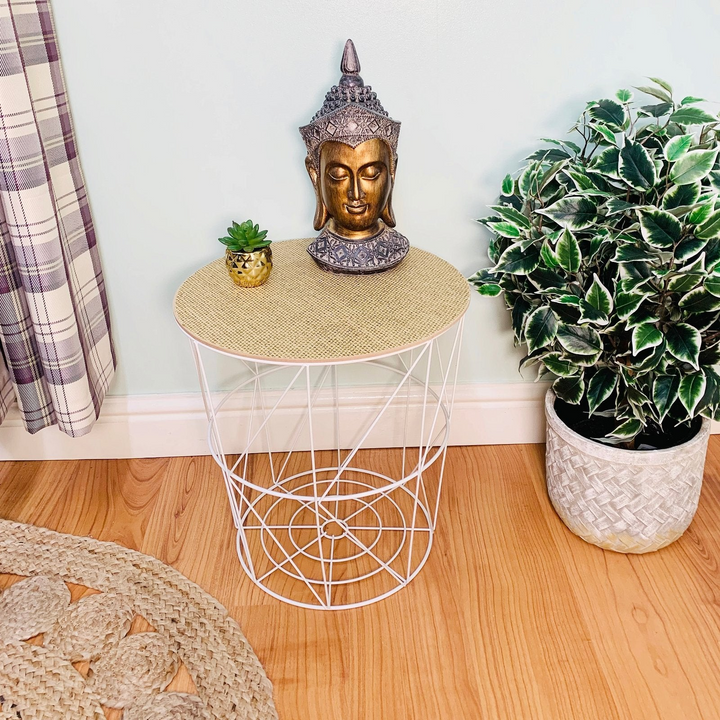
(84, 660)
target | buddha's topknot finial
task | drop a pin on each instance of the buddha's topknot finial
(350, 64)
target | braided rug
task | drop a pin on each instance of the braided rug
(126, 672)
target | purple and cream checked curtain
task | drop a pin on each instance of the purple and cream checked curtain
(56, 353)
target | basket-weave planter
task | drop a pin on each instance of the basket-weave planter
(630, 501)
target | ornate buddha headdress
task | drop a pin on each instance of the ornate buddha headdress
(351, 114)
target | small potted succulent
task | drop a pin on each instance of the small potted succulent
(607, 253)
(248, 256)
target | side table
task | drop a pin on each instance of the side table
(329, 368)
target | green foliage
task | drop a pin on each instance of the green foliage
(246, 237)
(607, 253)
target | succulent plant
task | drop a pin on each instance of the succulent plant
(245, 237)
(608, 255)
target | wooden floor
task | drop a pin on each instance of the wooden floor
(512, 618)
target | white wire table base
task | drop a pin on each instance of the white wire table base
(324, 520)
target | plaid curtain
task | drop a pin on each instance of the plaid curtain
(56, 353)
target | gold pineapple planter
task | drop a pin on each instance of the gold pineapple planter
(249, 269)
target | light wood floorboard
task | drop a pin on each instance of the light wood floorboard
(512, 618)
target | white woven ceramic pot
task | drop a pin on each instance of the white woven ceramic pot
(630, 501)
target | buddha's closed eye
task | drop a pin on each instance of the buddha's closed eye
(338, 173)
(371, 172)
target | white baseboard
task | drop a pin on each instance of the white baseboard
(175, 425)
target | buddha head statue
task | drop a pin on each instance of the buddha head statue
(351, 159)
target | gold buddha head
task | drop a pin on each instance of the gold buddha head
(353, 188)
(352, 156)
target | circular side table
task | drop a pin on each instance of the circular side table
(329, 368)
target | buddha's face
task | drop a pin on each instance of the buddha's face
(355, 186)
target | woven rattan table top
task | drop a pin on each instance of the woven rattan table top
(305, 315)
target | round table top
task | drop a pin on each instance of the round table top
(306, 315)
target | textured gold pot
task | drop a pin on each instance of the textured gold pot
(249, 269)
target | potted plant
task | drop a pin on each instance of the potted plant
(607, 253)
(248, 256)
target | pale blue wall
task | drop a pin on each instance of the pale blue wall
(187, 112)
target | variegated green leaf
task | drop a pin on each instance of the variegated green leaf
(712, 285)
(677, 147)
(659, 229)
(573, 213)
(665, 391)
(645, 336)
(640, 317)
(540, 328)
(710, 229)
(701, 213)
(602, 237)
(615, 206)
(683, 342)
(529, 181)
(559, 365)
(549, 175)
(627, 303)
(584, 361)
(692, 116)
(548, 256)
(664, 84)
(697, 266)
(626, 430)
(607, 162)
(681, 195)
(545, 279)
(570, 389)
(636, 168)
(699, 301)
(688, 247)
(656, 111)
(711, 255)
(581, 181)
(605, 131)
(599, 296)
(545, 155)
(579, 340)
(568, 252)
(691, 390)
(608, 112)
(590, 314)
(600, 388)
(511, 215)
(517, 260)
(633, 275)
(508, 185)
(506, 229)
(520, 311)
(490, 290)
(693, 166)
(657, 93)
(569, 300)
(632, 253)
(652, 360)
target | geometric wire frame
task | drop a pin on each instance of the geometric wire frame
(323, 519)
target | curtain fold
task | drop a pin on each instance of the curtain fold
(56, 351)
